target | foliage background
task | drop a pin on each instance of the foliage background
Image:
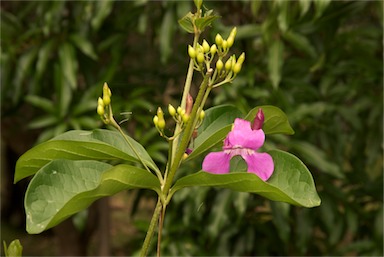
(319, 61)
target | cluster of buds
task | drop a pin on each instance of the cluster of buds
(203, 55)
(104, 104)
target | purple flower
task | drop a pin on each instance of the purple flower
(243, 141)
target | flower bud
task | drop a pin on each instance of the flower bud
(241, 58)
(160, 113)
(185, 118)
(100, 101)
(236, 68)
(156, 120)
(179, 110)
(106, 99)
(219, 65)
(258, 121)
(213, 49)
(189, 104)
(218, 40)
(202, 115)
(200, 58)
(206, 46)
(225, 44)
(191, 52)
(106, 90)
(233, 32)
(161, 124)
(228, 64)
(171, 110)
(230, 41)
(100, 110)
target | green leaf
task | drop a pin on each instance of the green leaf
(68, 64)
(187, 23)
(216, 125)
(275, 62)
(102, 10)
(81, 145)
(290, 182)
(64, 187)
(22, 69)
(43, 57)
(203, 22)
(166, 34)
(275, 120)
(44, 121)
(301, 43)
(84, 45)
(41, 102)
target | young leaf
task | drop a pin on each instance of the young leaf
(275, 122)
(290, 182)
(64, 187)
(81, 145)
(187, 23)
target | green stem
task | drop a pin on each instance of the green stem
(151, 229)
(186, 137)
(187, 87)
(114, 123)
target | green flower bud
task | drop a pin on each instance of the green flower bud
(100, 110)
(230, 41)
(160, 114)
(202, 115)
(233, 61)
(241, 58)
(206, 46)
(218, 40)
(233, 32)
(161, 124)
(236, 69)
(171, 110)
(106, 99)
(156, 120)
(213, 49)
(191, 52)
(179, 110)
(200, 58)
(228, 64)
(219, 65)
(100, 101)
(185, 118)
(225, 44)
(106, 90)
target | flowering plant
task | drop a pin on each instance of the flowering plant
(73, 170)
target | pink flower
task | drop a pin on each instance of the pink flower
(243, 141)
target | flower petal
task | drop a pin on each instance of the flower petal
(243, 136)
(217, 162)
(259, 163)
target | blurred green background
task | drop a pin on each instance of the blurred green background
(320, 61)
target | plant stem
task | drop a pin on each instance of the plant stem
(187, 87)
(161, 222)
(186, 137)
(114, 123)
(151, 229)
